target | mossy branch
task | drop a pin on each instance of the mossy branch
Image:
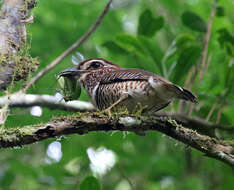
(22, 100)
(13, 17)
(82, 123)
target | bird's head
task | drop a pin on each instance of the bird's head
(88, 66)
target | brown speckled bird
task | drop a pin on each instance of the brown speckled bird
(109, 86)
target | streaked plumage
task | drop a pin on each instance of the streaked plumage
(106, 83)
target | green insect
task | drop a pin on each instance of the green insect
(69, 87)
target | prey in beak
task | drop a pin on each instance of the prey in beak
(68, 83)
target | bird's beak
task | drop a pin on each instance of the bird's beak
(71, 72)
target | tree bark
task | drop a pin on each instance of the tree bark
(82, 123)
(13, 17)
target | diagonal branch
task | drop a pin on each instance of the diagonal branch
(70, 49)
(206, 42)
(83, 123)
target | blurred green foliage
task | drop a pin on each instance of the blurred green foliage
(162, 36)
(90, 183)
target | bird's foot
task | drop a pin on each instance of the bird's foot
(108, 112)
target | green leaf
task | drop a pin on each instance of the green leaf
(178, 44)
(147, 52)
(192, 183)
(186, 60)
(194, 21)
(225, 36)
(154, 52)
(229, 78)
(183, 39)
(181, 42)
(90, 183)
(112, 46)
(230, 49)
(220, 11)
(148, 25)
(226, 40)
(131, 44)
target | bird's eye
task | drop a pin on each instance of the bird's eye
(95, 65)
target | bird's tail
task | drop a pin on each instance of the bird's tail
(185, 94)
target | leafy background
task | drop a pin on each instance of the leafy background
(162, 36)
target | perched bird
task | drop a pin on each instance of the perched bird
(110, 86)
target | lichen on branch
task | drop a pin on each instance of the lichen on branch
(14, 66)
(82, 123)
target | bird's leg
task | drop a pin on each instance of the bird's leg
(123, 97)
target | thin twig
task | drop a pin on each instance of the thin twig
(203, 63)
(219, 114)
(71, 48)
(125, 177)
(189, 161)
(211, 111)
(188, 86)
(206, 42)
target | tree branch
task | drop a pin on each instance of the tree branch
(82, 123)
(70, 49)
(198, 124)
(28, 100)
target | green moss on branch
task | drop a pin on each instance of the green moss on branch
(82, 123)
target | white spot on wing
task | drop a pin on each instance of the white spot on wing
(151, 81)
(180, 88)
(159, 88)
(155, 85)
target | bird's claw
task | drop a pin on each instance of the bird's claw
(108, 112)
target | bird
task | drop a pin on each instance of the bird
(110, 86)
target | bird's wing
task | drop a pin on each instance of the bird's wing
(123, 75)
(160, 85)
